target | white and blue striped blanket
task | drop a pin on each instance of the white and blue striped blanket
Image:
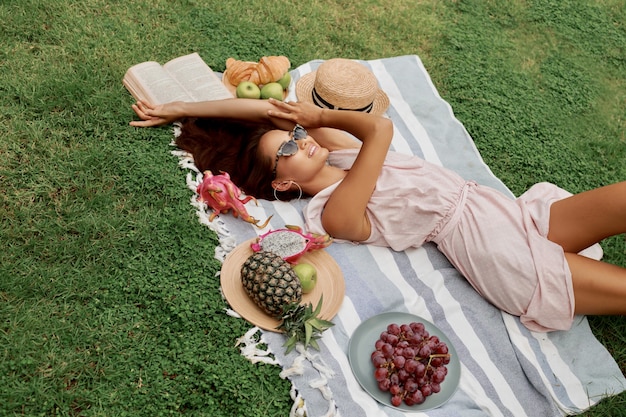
(505, 369)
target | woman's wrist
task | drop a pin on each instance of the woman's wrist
(189, 109)
(324, 118)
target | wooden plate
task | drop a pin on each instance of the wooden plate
(330, 283)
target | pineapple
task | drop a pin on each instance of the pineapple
(272, 284)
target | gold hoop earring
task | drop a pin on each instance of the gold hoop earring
(299, 191)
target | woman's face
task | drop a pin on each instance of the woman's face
(300, 167)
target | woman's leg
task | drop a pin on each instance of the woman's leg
(580, 221)
(599, 287)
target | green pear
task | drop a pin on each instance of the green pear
(307, 274)
(285, 80)
(272, 90)
(248, 89)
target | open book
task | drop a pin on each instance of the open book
(186, 78)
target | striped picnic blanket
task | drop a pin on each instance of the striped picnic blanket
(505, 369)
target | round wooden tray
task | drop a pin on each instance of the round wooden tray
(330, 283)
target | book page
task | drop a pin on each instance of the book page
(197, 78)
(149, 81)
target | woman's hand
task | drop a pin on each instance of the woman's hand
(158, 115)
(306, 114)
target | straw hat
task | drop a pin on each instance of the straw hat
(343, 84)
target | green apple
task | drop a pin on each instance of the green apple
(307, 274)
(272, 90)
(285, 80)
(248, 89)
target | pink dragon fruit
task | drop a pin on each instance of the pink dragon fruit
(222, 195)
(290, 243)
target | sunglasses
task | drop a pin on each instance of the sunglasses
(290, 147)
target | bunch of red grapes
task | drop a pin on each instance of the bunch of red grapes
(410, 363)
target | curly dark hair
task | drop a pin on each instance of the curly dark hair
(229, 145)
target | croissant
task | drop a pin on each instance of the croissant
(267, 70)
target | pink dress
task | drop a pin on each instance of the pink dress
(499, 244)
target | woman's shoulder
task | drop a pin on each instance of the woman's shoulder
(312, 212)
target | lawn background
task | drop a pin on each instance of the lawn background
(109, 304)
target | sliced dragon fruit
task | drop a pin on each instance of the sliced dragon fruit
(290, 243)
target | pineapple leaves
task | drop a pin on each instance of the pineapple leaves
(320, 324)
(318, 308)
(301, 325)
(314, 344)
(291, 343)
(308, 332)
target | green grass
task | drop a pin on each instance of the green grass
(109, 304)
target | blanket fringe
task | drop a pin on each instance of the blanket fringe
(296, 368)
(250, 343)
(232, 313)
(321, 383)
(298, 409)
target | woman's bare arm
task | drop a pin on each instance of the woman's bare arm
(345, 215)
(240, 109)
(345, 212)
(333, 139)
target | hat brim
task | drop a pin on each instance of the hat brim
(304, 88)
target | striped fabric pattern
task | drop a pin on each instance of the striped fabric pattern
(505, 369)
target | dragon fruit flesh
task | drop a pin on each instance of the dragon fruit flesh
(222, 195)
(290, 243)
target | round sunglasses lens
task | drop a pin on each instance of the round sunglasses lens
(288, 148)
(299, 133)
